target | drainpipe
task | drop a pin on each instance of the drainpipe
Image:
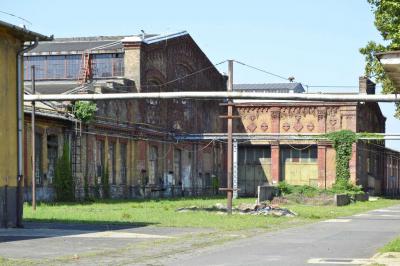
(20, 126)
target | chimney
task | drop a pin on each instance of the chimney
(366, 86)
(133, 59)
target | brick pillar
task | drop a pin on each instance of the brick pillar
(275, 117)
(321, 165)
(321, 119)
(275, 162)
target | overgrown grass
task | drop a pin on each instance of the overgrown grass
(162, 212)
(392, 246)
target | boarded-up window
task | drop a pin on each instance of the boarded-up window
(52, 155)
(153, 164)
(123, 163)
(299, 154)
(111, 157)
(38, 158)
(178, 166)
(100, 152)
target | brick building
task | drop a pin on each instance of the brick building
(134, 140)
(305, 162)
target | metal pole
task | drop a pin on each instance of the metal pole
(229, 148)
(235, 169)
(33, 141)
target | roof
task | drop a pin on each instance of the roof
(391, 64)
(275, 87)
(77, 45)
(53, 87)
(24, 34)
(97, 44)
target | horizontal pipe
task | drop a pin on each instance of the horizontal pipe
(219, 95)
(279, 136)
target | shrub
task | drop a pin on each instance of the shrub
(285, 188)
(215, 184)
(63, 181)
(85, 110)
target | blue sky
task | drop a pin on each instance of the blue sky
(317, 42)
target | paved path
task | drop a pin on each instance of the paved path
(332, 242)
(52, 240)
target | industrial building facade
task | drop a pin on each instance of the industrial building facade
(305, 162)
(146, 146)
(133, 140)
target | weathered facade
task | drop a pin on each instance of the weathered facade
(307, 162)
(12, 40)
(134, 140)
(52, 129)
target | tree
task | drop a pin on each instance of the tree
(85, 110)
(387, 21)
(63, 181)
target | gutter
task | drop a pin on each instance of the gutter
(20, 115)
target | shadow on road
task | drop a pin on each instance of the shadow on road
(60, 228)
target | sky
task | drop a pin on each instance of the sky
(315, 41)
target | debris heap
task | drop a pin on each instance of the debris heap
(245, 208)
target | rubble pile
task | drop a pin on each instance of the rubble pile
(245, 208)
(264, 209)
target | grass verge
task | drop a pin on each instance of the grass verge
(162, 213)
(392, 246)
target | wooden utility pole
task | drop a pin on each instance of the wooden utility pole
(33, 141)
(229, 148)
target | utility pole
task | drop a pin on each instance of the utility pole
(229, 156)
(33, 141)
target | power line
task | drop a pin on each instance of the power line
(290, 78)
(261, 70)
(21, 18)
(331, 86)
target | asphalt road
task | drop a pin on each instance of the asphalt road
(343, 241)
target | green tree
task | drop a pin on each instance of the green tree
(85, 110)
(63, 181)
(387, 21)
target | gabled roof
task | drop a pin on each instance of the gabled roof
(22, 33)
(273, 87)
(98, 44)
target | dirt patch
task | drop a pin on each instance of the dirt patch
(317, 200)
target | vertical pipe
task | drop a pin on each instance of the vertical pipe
(20, 171)
(229, 157)
(18, 203)
(33, 140)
